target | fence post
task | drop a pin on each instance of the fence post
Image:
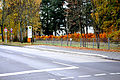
(61, 41)
(46, 40)
(87, 42)
(108, 43)
(98, 43)
(70, 41)
(80, 42)
(53, 41)
(93, 42)
(67, 42)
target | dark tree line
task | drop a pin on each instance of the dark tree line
(80, 15)
(76, 14)
(52, 16)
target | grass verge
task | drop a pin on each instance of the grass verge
(64, 45)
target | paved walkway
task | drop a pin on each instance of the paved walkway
(103, 54)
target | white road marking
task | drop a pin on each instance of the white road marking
(114, 73)
(63, 64)
(102, 74)
(7, 52)
(51, 79)
(85, 76)
(68, 78)
(35, 71)
(58, 74)
(27, 55)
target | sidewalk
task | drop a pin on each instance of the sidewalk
(103, 54)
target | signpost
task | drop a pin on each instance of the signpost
(11, 30)
(29, 33)
(5, 34)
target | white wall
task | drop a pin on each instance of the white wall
(60, 32)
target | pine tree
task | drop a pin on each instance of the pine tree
(52, 14)
(79, 16)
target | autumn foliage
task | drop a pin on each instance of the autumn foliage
(74, 36)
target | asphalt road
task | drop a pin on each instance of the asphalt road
(18, 63)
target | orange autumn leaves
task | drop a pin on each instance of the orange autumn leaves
(74, 36)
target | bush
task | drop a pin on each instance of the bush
(24, 39)
(15, 39)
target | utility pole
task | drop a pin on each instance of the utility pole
(2, 23)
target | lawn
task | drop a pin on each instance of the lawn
(64, 44)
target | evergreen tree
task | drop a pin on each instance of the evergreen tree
(52, 16)
(79, 16)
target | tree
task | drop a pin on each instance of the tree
(2, 22)
(52, 14)
(19, 14)
(106, 15)
(79, 16)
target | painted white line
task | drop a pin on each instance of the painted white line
(114, 73)
(68, 78)
(103, 74)
(51, 79)
(84, 76)
(7, 52)
(63, 64)
(59, 74)
(35, 71)
(27, 55)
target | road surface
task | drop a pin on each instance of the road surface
(19, 63)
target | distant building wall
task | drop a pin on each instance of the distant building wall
(62, 32)
(59, 33)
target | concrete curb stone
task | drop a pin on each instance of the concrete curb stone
(102, 54)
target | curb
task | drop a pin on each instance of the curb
(71, 52)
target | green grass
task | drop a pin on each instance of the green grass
(75, 44)
(16, 44)
(90, 45)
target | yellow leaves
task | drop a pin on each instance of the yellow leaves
(15, 14)
(106, 24)
(0, 14)
(38, 1)
(9, 5)
(0, 29)
(115, 35)
(97, 16)
(92, 14)
(105, 14)
(118, 21)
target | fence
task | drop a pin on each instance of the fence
(101, 43)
